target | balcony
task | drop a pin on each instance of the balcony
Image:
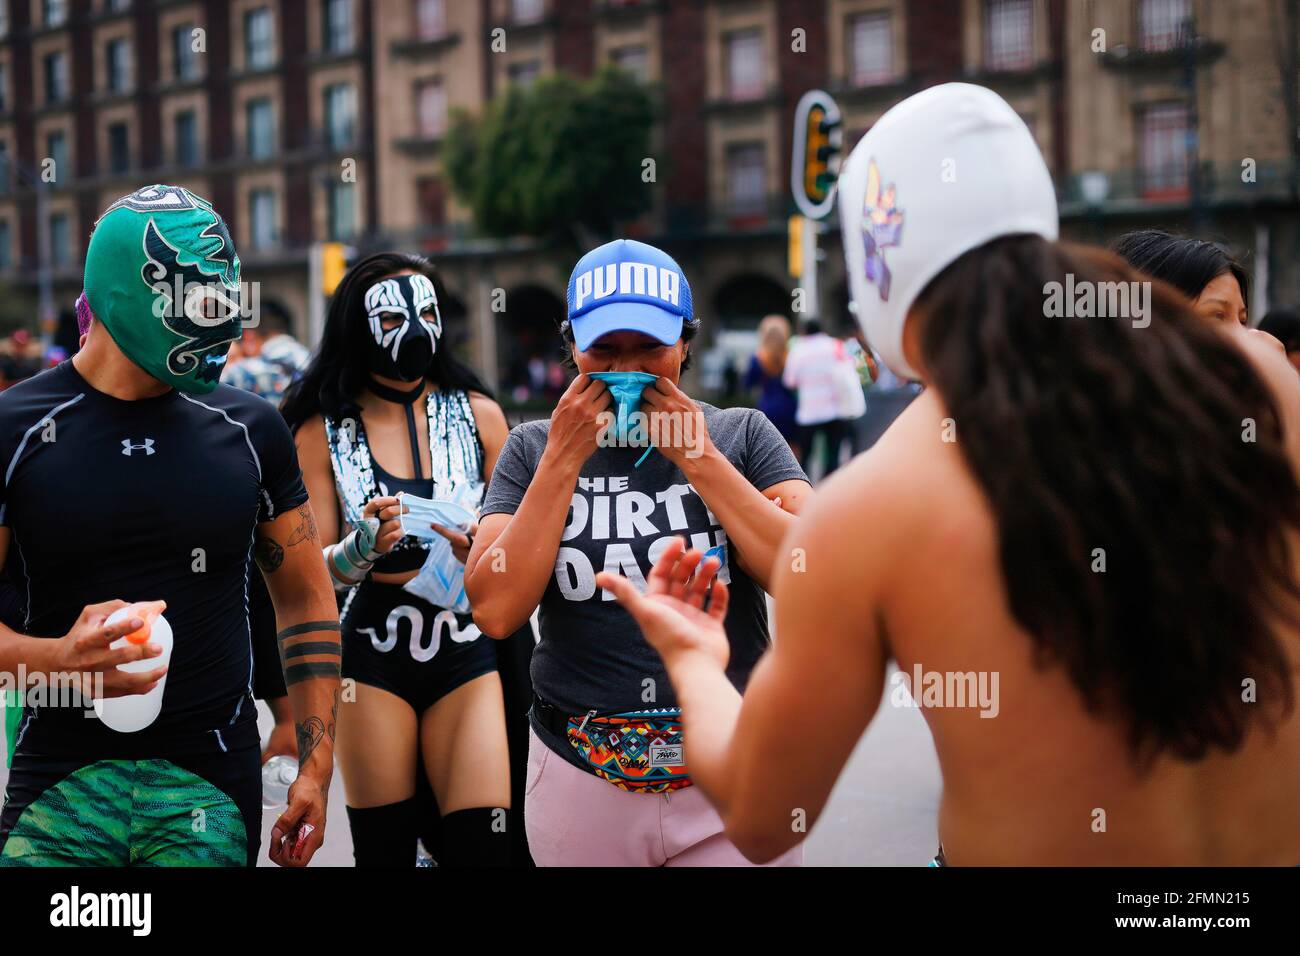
(421, 144)
(622, 11)
(1116, 192)
(741, 102)
(1123, 58)
(422, 48)
(765, 216)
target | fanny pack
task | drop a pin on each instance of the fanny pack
(640, 751)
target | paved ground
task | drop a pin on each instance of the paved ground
(881, 813)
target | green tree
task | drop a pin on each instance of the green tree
(562, 156)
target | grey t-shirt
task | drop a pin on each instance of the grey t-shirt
(592, 654)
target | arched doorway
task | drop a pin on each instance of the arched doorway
(742, 301)
(528, 344)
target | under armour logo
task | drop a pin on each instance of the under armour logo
(127, 447)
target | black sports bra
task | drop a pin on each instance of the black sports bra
(413, 551)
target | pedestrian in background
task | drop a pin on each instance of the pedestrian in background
(775, 399)
(271, 359)
(818, 370)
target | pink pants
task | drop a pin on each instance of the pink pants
(575, 818)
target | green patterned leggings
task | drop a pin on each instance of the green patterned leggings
(203, 811)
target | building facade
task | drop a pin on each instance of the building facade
(315, 120)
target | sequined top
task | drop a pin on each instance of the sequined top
(455, 460)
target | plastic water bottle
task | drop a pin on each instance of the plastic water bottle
(137, 711)
(277, 774)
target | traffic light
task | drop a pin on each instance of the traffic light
(815, 160)
(821, 164)
(334, 263)
(795, 247)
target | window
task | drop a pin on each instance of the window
(118, 65)
(261, 218)
(526, 73)
(633, 59)
(1009, 34)
(340, 115)
(116, 6)
(60, 239)
(430, 19)
(745, 65)
(6, 262)
(261, 129)
(337, 25)
(56, 77)
(53, 12)
(56, 149)
(747, 174)
(526, 11)
(431, 102)
(4, 18)
(1159, 22)
(119, 148)
(259, 39)
(432, 199)
(184, 62)
(1164, 150)
(871, 49)
(186, 129)
(342, 210)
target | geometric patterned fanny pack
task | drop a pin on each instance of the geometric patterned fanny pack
(639, 751)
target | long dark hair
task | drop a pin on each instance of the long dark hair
(1187, 264)
(1091, 433)
(339, 369)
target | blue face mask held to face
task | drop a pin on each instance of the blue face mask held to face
(626, 387)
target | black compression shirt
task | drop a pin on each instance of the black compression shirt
(155, 499)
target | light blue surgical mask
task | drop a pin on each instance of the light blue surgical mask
(419, 513)
(626, 387)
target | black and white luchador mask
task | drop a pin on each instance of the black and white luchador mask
(403, 351)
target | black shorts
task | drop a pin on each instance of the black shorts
(401, 643)
(195, 810)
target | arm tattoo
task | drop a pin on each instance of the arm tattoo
(268, 555)
(297, 673)
(310, 733)
(304, 658)
(334, 716)
(306, 628)
(306, 530)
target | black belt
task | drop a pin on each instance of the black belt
(552, 718)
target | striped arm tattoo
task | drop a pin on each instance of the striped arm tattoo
(305, 656)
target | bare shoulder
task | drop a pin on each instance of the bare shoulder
(486, 410)
(1269, 359)
(310, 437)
